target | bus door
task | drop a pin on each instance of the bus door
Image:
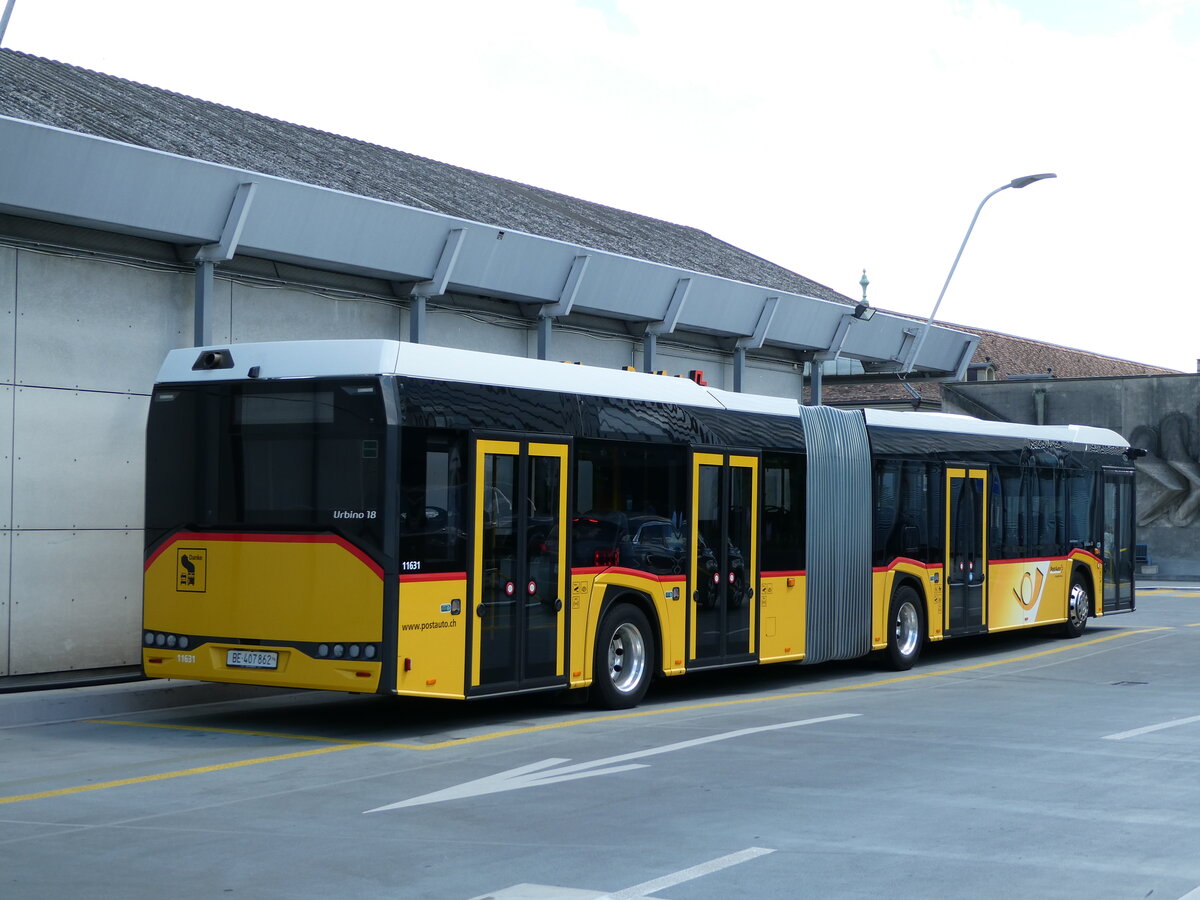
(1118, 549)
(966, 548)
(724, 558)
(519, 571)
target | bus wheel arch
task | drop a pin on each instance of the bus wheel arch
(624, 658)
(1079, 602)
(905, 625)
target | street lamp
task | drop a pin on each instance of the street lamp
(1023, 181)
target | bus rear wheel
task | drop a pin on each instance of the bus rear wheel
(1079, 607)
(623, 659)
(906, 628)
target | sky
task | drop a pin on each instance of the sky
(827, 137)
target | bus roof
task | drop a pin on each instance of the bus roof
(348, 358)
(324, 359)
(946, 422)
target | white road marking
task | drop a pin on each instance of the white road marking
(1121, 735)
(540, 773)
(705, 868)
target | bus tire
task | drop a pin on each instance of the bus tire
(1079, 607)
(906, 628)
(623, 661)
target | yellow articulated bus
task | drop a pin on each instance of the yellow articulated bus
(403, 519)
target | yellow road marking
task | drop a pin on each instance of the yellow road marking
(341, 744)
(285, 735)
(163, 776)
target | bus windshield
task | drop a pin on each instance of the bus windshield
(302, 456)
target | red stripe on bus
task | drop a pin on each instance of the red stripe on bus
(797, 574)
(906, 561)
(250, 538)
(1038, 559)
(415, 577)
(620, 570)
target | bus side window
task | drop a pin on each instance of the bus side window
(630, 502)
(783, 539)
(432, 519)
(1011, 530)
(1080, 496)
(914, 515)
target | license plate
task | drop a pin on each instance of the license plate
(252, 659)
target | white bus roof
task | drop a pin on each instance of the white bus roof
(931, 421)
(346, 358)
(322, 359)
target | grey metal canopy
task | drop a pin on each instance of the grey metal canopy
(71, 178)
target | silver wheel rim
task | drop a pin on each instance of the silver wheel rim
(626, 658)
(907, 629)
(1080, 605)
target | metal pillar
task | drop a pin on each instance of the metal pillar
(221, 251)
(202, 306)
(649, 351)
(416, 319)
(753, 342)
(739, 368)
(566, 300)
(435, 286)
(545, 332)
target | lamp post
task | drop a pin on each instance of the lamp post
(5, 16)
(1023, 181)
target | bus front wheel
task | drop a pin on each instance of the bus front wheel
(623, 660)
(906, 628)
(1079, 607)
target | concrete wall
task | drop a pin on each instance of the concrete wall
(1160, 414)
(85, 320)
(83, 334)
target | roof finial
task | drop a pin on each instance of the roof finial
(864, 284)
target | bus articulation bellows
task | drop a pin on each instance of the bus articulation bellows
(377, 516)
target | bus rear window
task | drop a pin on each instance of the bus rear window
(268, 456)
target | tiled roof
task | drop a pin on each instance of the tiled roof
(1007, 356)
(65, 96)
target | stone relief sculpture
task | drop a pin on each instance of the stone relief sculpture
(1172, 470)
